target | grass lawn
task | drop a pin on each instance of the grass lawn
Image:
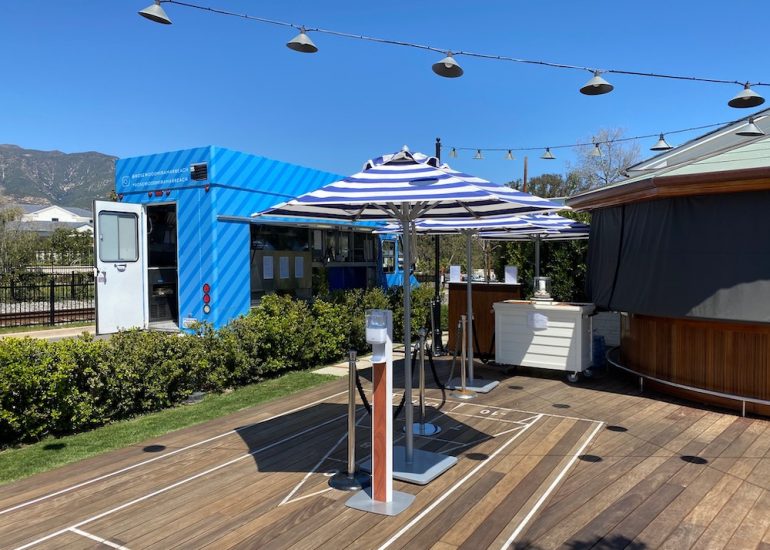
(54, 452)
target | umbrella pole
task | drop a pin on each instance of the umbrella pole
(406, 224)
(537, 255)
(469, 305)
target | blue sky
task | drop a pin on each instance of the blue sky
(84, 75)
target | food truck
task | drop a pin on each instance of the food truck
(180, 244)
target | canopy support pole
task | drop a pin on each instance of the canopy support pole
(473, 385)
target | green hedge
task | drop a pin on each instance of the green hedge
(57, 388)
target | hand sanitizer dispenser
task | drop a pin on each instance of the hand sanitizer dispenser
(377, 333)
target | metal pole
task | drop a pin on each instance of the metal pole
(469, 304)
(537, 256)
(463, 377)
(438, 347)
(52, 303)
(422, 376)
(351, 480)
(406, 225)
(463, 392)
(524, 183)
(351, 412)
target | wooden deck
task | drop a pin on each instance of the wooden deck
(542, 464)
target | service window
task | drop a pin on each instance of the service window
(388, 256)
(118, 237)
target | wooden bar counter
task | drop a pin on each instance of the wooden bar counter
(484, 295)
(721, 356)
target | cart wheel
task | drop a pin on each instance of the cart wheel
(572, 377)
(588, 373)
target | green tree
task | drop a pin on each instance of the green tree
(616, 155)
(563, 261)
(17, 247)
(70, 247)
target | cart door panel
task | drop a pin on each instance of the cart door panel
(120, 266)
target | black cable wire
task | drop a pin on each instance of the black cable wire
(361, 392)
(441, 386)
(456, 52)
(368, 405)
(593, 143)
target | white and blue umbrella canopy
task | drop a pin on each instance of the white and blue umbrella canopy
(387, 184)
(551, 227)
(523, 224)
(406, 187)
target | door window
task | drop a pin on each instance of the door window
(118, 237)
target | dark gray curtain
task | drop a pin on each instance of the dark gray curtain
(705, 257)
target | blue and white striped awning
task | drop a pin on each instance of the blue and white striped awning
(503, 225)
(406, 186)
(552, 227)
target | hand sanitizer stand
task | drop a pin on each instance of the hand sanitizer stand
(380, 498)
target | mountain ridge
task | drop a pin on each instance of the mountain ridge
(54, 177)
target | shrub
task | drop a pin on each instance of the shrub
(56, 388)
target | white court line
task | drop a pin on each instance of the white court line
(165, 455)
(178, 483)
(522, 411)
(488, 417)
(457, 485)
(548, 491)
(482, 440)
(98, 539)
(311, 472)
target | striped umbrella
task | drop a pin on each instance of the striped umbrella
(528, 226)
(406, 187)
(553, 228)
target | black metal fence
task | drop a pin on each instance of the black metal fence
(34, 298)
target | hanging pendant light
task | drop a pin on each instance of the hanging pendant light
(596, 152)
(662, 145)
(750, 130)
(453, 153)
(548, 155)
(478, 155)
(509, 155)
(302, 43)
(155, 13)
(596, 86)
(448, 67)
(746, 98)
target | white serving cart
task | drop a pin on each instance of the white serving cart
(544, 334)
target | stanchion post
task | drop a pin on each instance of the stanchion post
(425, 429)
(463, 392)
(352, 479)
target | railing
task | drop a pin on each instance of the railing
(28, 299)
(642, 377)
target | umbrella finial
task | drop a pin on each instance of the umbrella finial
(405, 148)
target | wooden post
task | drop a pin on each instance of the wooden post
(380, 498)
(382, 422)
(524, 184)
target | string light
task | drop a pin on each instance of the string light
(593, 143)
(449, 68)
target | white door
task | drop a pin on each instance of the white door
(120, 266)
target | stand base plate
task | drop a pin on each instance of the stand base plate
(477, 384)
(425, 466)
(363, 501)
(344, 482)
(425, 430)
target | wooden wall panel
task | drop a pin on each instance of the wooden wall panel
(732, 358)
(484, 295)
